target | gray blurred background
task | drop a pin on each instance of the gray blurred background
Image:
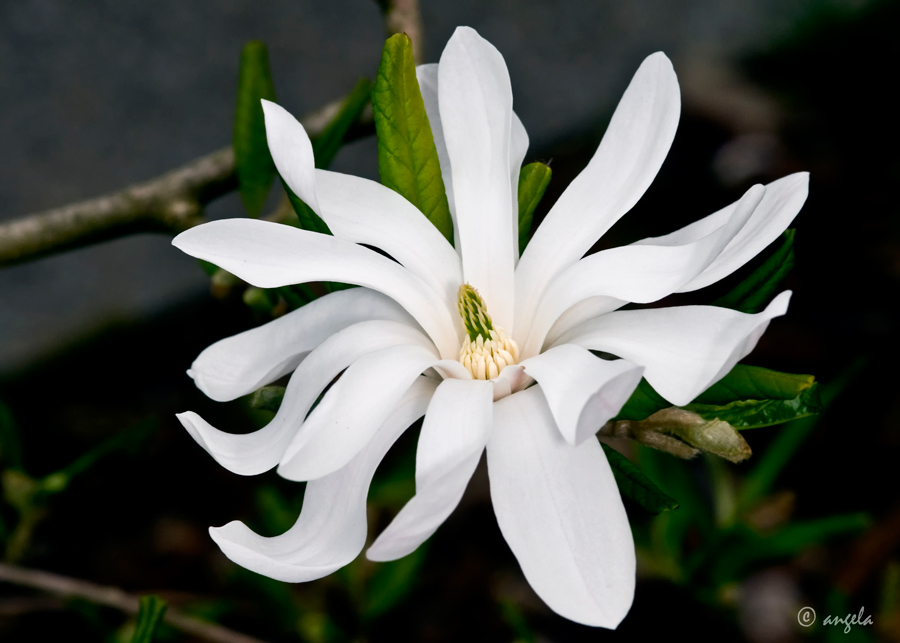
(97, 95)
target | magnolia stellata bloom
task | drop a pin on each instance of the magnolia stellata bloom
(492, 348)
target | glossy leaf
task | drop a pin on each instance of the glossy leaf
(754, 292)
(755, 383)
(150, 615)
(635, 485)
(253, 162)
(643, 403)
(533, 181)
(407, 158)
(753, 414)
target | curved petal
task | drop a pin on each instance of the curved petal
(518, 147)
(240, 364)
(292, 152)
(626, 162)
(253, 453)
(685, 349)
(779, 206)
(476, 111)
(583, 391)
(586, 309)
(331, 529)
(427, 75)
(456, 428)
(363, 211)
(352, 410)
(640, 274)
(269, 255)
(559, 510)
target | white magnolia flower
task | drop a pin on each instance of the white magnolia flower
(398, 339)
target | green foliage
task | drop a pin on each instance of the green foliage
(753, 414)
(407, 158)
(754, 292)
(643, 403)
(253, 162)
(634, 484)
(533, 181)
(327, 144)
(755, 383)
(268, 398)
(392, 582)
(150, 615)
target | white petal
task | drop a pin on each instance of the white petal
(626, 162)
(331, 529)
(559, 510)
(518, 147)
(352, 410)
(427, 75)
(685, 349)
(640, 274)
(363, 211)
(586, 309)
(583, 391)
(269, 255)
(779, 206)
(253, 453)
(240, 364)
(292, 152)
(476, 110)
(456, 428)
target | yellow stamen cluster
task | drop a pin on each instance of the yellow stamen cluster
(487, 348)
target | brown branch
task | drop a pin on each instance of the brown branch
(114, 597)
(403, 16)
(170, 203)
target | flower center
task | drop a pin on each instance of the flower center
(487, 348)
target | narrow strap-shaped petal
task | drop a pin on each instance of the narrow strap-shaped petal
(559, 510)
(269, 255)
(779, 206)
(626, 162)
(292, 152)
(476, 112)
(685, 349)
(427, 75)
(240, 364)
(352, 410)
(583, 391)
(363, 211)
(586, 309)
(518, 148)
(456, 428)
(253, 453)
(640, 274)
(331, 529)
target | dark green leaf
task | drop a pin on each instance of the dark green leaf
(533, 181)
(407, 158)
(327, 144)
(309, 220)
(754, 292)
(392, 582)
(643, 403)
(150, 615)
(268, 398)
(755, 383)
(753, 414)
(253, 162)
(635, 485)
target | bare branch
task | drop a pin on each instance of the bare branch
(403, 16)
(170, 203)
(114, 597)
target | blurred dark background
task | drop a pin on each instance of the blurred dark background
(95, 342)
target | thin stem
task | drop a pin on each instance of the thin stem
(116, 598)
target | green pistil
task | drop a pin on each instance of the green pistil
(474, 313)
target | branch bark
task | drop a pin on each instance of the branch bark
(169, 203)
(403, 16)
(114, 597)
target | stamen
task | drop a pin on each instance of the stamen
(487, 349)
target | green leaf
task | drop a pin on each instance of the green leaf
(392, 582)
(268, 398)
(753, 414)
(643, 403)
(407, 158)
(635, 485)
(754, 292)
(309, 220)
(253, 162)
(755, 383)
(327, 144)
(150, 615)
(533, 181)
